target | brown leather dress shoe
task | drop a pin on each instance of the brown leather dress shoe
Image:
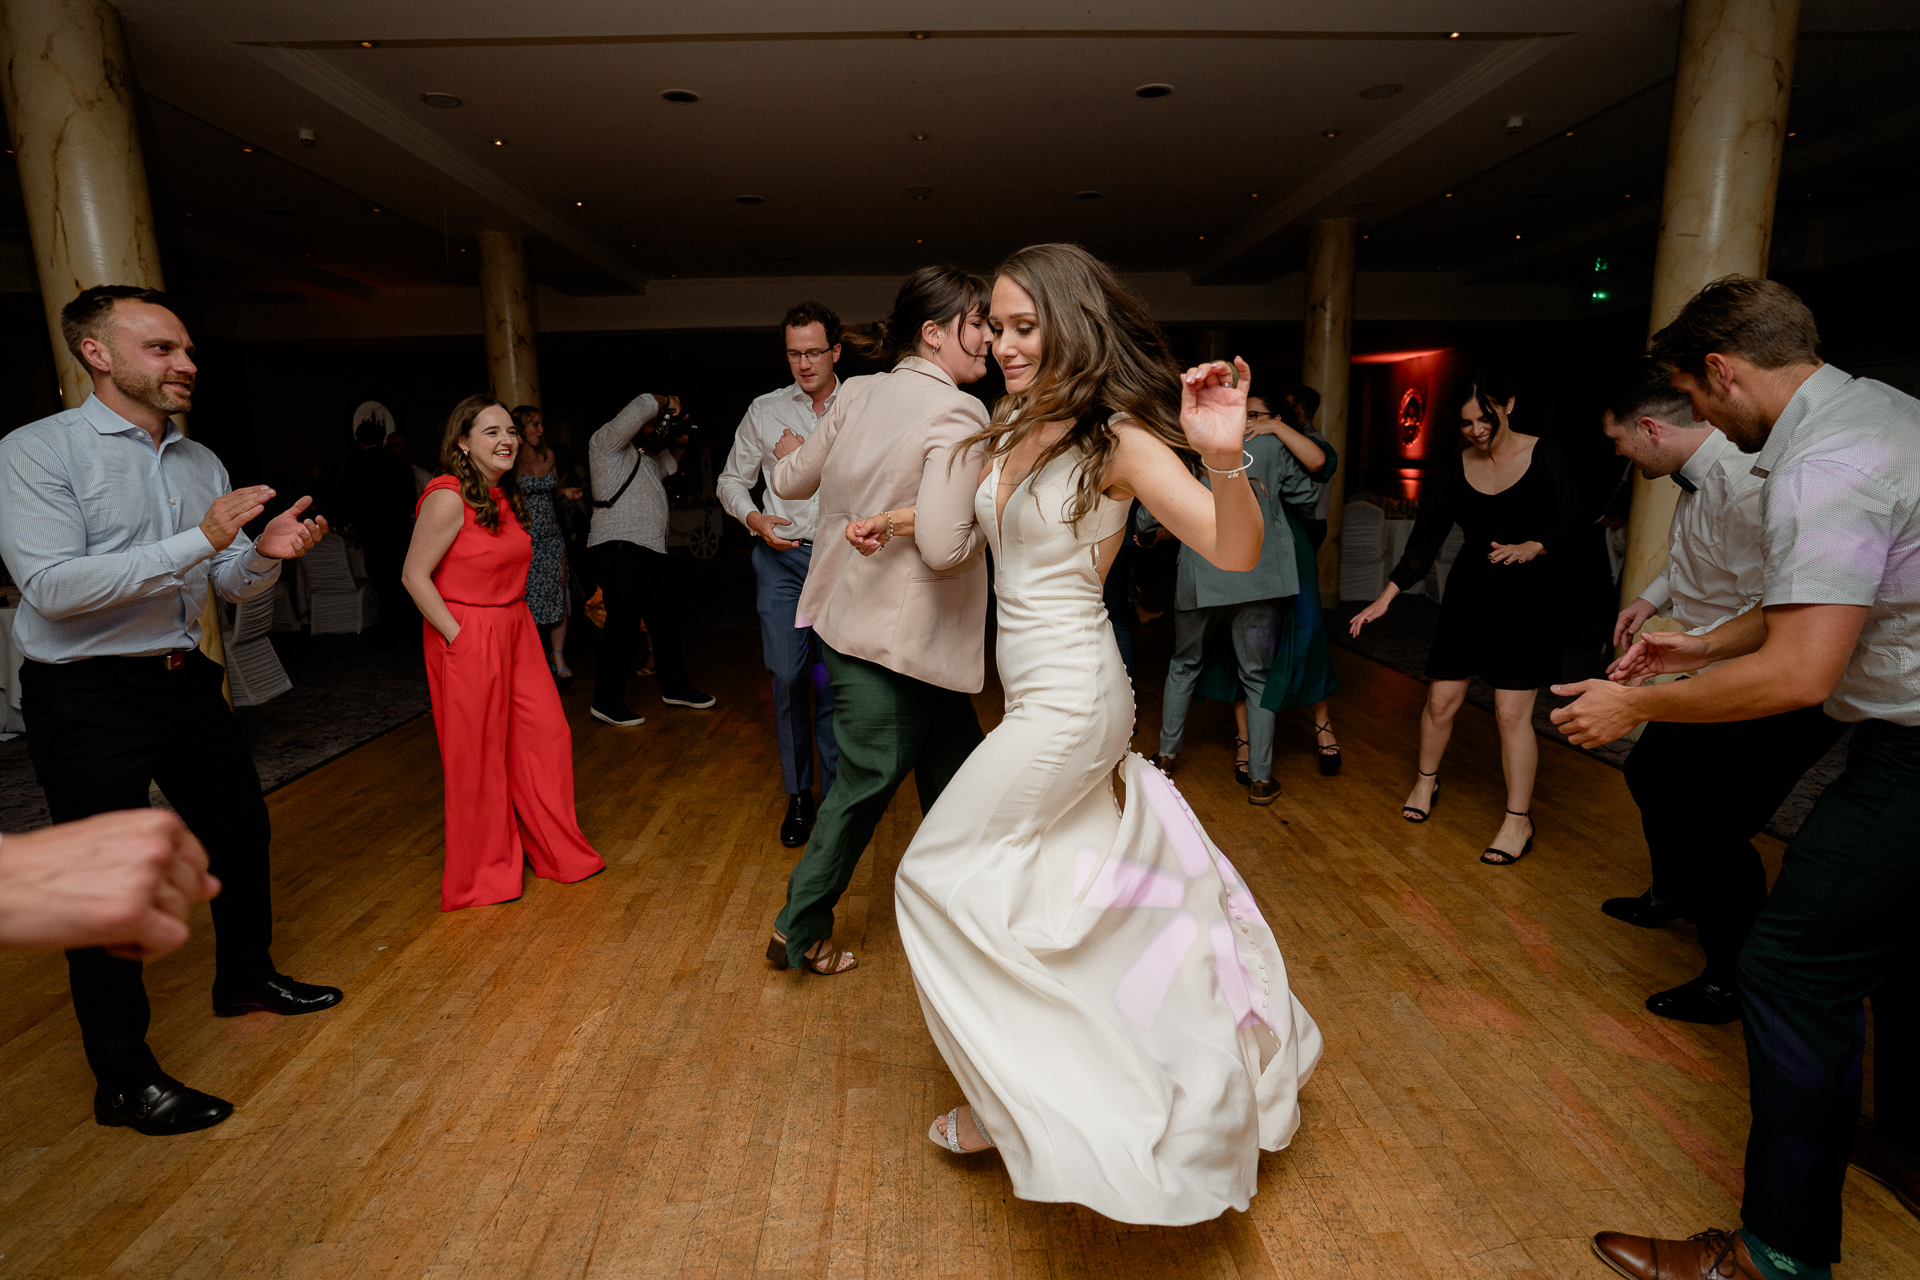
(1711, 1255)
(1263, 791)
(1164, 762)
(1871, 1157)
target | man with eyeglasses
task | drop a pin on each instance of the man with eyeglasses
(785, 532)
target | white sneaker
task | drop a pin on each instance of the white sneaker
(622, 717)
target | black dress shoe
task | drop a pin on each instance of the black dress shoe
(1697, 1001)
(799, 821)
(160, 1109)
(278, 994)
(1643, 910)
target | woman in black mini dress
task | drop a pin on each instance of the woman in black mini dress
(1510, 495)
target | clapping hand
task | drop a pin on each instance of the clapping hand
(787, 443)
(232, 510)
(288, 537)
(1213, 409)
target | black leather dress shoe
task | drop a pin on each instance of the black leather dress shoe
(161, 1109)
(1697, 1001)
(278, 994)
(799, 820)
(1643, 910)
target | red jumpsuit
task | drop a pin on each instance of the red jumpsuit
(504, 742)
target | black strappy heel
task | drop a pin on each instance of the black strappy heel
(1412, 814)
(1329, 756)
(1500, 857)
(1240, 774)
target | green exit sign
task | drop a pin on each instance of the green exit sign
(1599, 264)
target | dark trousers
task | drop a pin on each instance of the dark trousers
(1704, 791)
(888, 726)
(802, 693)
(635, 586)
(98, 732)
(1839, 928)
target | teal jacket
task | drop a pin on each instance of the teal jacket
(1279, 481)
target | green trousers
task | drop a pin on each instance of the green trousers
(1837, 930)
(887, 725)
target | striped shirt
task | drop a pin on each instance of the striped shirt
(1841, 510)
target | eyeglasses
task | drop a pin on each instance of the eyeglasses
(818, 353)
(1258, 415)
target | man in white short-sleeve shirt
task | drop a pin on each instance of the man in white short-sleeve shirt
(1704, 790)
(1837, 626)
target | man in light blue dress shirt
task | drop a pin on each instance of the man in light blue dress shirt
(782, 553)
(115, 525)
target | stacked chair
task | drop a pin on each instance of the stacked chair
(337, 604)
(253, 668)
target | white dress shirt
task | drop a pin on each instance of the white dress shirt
(640, 516)
(102, 533)
(1842, 513)
(751, 460)
(1715, 561)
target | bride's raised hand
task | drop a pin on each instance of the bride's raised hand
(1213, 408)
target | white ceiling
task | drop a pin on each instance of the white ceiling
(813, 107)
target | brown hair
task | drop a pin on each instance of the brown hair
(937, 294)
(1101, 354)
(473, 490)
(802, 314)
(1761, 321)
(1644, 388)
(88, 315)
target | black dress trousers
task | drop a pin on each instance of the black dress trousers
(98, 731)
(1704, 791)
(636, 585)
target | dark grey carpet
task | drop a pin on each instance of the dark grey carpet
(1400, 641)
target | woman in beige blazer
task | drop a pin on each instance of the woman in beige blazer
(905, 642)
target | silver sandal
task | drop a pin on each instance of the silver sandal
(951, 1138)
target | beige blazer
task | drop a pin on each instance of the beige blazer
(917, 606)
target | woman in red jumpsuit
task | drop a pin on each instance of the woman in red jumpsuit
(504, 742)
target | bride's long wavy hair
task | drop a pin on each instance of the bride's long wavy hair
(1101, 353)
(473, 490)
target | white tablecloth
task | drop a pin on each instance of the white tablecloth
(10, 673)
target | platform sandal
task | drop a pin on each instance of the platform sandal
(1412, 814)
(1500, 857)
(1329, 756)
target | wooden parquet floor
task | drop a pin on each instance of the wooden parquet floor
(606, 1079)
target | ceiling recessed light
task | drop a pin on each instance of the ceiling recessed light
(682, 96)
(1086, 195)
(1793, 133)
(248, 150)
(445, 101)
(499, 142)
(1253, 195)
(921, 137)
(369, 44)
(919, 193)
(1329, 133)
(579, 204)
(1449, 195)
(919, 241)
(1379, 91)
(919, 35)
(1516, 237)
(376, 208)
(1203, 237)
(1153, 91)
(747, 200)
(1569, 133)
(1453, 35)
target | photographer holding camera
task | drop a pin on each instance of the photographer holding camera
(629, 458)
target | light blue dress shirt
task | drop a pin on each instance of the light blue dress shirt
(101, 532)
(1278, 481)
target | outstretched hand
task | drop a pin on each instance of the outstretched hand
(1599, 713)
(288, 537)
(1659, 653)
(1213, 408)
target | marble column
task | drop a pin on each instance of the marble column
(1325, 365)
(506, 304)
(69, 95)
(1731, 86)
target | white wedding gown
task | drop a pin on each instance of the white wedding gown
(1097, 977)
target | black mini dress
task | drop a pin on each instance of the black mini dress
(1500, 622)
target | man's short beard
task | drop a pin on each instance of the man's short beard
(152, 392)
(1743, 425)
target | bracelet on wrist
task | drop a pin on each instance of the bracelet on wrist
(1246, 460)
(890, 531)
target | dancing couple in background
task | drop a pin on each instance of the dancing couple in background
(1093, 970)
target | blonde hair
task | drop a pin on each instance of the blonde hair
(1101, 354)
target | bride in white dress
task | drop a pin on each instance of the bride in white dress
(1095, 973)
